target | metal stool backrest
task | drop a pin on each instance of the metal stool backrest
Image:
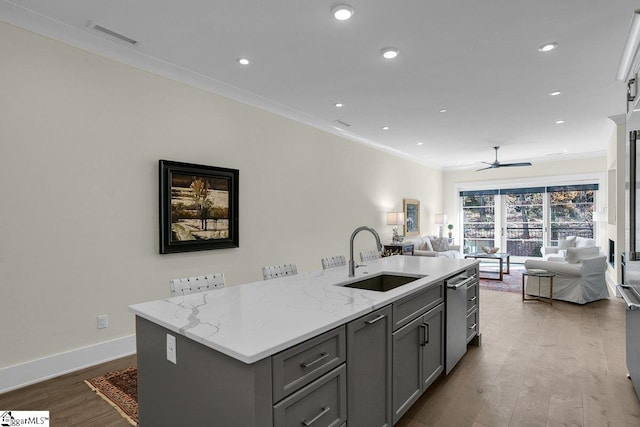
(190, 285)
(273, 271)
(333, 261)
(369, 255)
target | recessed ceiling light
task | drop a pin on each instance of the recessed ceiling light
(342, 12)
(385, 128)
(548, 47)
(555, 93)
(389, 52)
(243, 61)
(339, 104)
(443, 110)
(559, 122)
(420, 143)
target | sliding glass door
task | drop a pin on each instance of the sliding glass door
(524, 222)
(521, 221)
(478, 213)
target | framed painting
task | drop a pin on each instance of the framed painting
(412, 217)
(198, 207)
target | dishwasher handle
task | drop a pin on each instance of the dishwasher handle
(465, 281)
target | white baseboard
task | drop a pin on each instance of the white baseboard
(611, 284)
(34, 371)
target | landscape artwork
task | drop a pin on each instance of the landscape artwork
(198, 207)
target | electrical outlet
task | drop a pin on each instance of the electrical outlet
(171, 349)
(103, 321)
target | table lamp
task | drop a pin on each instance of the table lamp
(395, 219)
(441, 219)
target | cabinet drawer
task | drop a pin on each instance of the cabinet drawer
(298, 366)
(471, 271)
(472, 297)
(323, 403)
(408, 308)
(472, 325)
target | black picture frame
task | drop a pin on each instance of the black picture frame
(198, 207)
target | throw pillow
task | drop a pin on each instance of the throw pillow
(585, 243)
(569, 242)
(440, 244)
(576, 255)
(427, 244)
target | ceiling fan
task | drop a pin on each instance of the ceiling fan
(496, 164)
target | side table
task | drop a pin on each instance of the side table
(540, 274)
(397, 249)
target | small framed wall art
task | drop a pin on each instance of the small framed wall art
(198, 207)
(411, 217)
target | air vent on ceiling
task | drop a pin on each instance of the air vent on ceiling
(113, 34)
(340, 122)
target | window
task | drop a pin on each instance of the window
(571, 211)
(523, 220)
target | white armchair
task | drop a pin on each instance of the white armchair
(581, 281)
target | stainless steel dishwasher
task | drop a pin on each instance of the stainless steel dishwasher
(456, 311)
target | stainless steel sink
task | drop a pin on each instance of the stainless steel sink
(383, 282)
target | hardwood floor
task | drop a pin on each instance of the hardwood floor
(538, 365)
(68, 399)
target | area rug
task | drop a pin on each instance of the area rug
(510, 282)
(120, 390)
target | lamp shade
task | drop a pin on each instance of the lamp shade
(395, 218)
(441, 218)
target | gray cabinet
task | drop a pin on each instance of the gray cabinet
(310, 382)
(408, 308)
(364, 373)
(322, 403)
(369, 355)
(473, 309)
(418, 358)
(299, 365)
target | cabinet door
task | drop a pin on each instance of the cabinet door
(407, 366)
(432, 346)
(369, 370)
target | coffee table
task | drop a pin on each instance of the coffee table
(500, 256)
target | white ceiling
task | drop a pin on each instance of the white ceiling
(476, 59)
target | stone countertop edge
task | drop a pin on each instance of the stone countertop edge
(256, 320)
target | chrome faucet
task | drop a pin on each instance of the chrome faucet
(352, 265)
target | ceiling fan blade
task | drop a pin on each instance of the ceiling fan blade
(506, 165)
(496, 164)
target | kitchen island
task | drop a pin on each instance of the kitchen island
(240, 352)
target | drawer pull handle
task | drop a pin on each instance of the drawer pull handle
(313, 362)
(324, 410)
(473, 298)
(472, 326)
(380, 317)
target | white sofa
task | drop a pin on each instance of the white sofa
(433, 246)
(558, 253)
(580, 278)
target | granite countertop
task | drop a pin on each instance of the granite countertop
(256, 320)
